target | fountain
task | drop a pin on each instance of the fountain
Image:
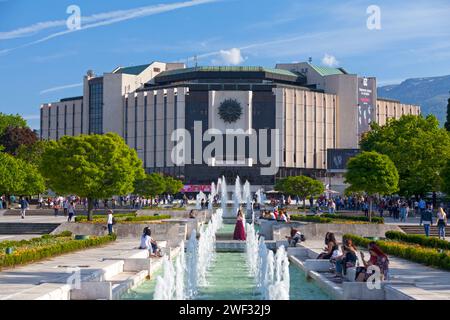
(271, 273)
(237, 195)
(180, 269)
(251, 249)
(212, 195)
(198, 200)
(223, 194)
(191, 264)
(165, 285)
(247, 195)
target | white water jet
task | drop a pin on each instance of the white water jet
(180, 269)
(165, 285)
(191, 265)
(271, 272)
(247, 195)
(198, 200)
(251, 249)
(207, 246)
(237, 195)
(279, 289)
(223, 194)
(212, 195)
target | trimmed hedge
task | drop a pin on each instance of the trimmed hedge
(316, 219)
(41, 250)
(333, 218)
(431, 242)
(148, 218)
(428, 256)
(123, 218)
(44, 239)
(103, 217)
(378, 220)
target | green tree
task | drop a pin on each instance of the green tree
(302, 186)
(418, 147)
(11, 120)
(173, 185)
(373, 173)
(32, 153)
(150, 186)
(447, 122)
(12, 175)
(34, 182)
(91, 166)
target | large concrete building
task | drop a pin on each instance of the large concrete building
(308, 117)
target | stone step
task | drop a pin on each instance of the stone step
(27, 228)
(413, 229)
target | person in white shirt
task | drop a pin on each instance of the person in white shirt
(110, 222)
(149, 244)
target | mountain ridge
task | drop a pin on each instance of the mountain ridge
(430, 93)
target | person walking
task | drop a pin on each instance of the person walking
(23, 206)
(65, 206)
(426, 218)
(403, 212)
(110, 221)
(71, 211)
(441, 222)
(56, 207)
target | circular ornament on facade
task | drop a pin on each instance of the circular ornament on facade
(230, 110)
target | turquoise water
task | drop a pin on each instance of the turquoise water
(228, 279)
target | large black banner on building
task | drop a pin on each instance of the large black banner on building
(337, 158)
(366, 103)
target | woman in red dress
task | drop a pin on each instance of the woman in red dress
(239, 230)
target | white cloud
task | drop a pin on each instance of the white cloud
(229, 57)
(67, 86)
(329, 60)
(95, 20)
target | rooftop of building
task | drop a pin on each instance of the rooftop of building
(327, 71)
(134, 70)
(242, 74)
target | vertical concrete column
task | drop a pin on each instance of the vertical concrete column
(309, 122)
(300, 129)
(170, 125)
(150, 129)
(279, 122)
(290, 127)
(140, 125)
(159, 121)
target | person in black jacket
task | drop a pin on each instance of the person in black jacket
(426, 218)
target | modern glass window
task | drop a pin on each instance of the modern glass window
(96, 108)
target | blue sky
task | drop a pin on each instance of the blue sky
(41, 61)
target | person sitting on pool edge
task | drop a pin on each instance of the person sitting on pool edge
(295, 237)
(149, 244)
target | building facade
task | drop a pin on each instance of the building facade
(227, 120)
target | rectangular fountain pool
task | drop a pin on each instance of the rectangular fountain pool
(229, 279)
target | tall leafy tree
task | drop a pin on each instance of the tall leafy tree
(14, 137)
(32, 153)
(12, 175)
(373, 173)
(11, 120)
(151, 186)
(173, 185)
(91, 166)
(302, 186)
(33, 181)
(418, 147)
